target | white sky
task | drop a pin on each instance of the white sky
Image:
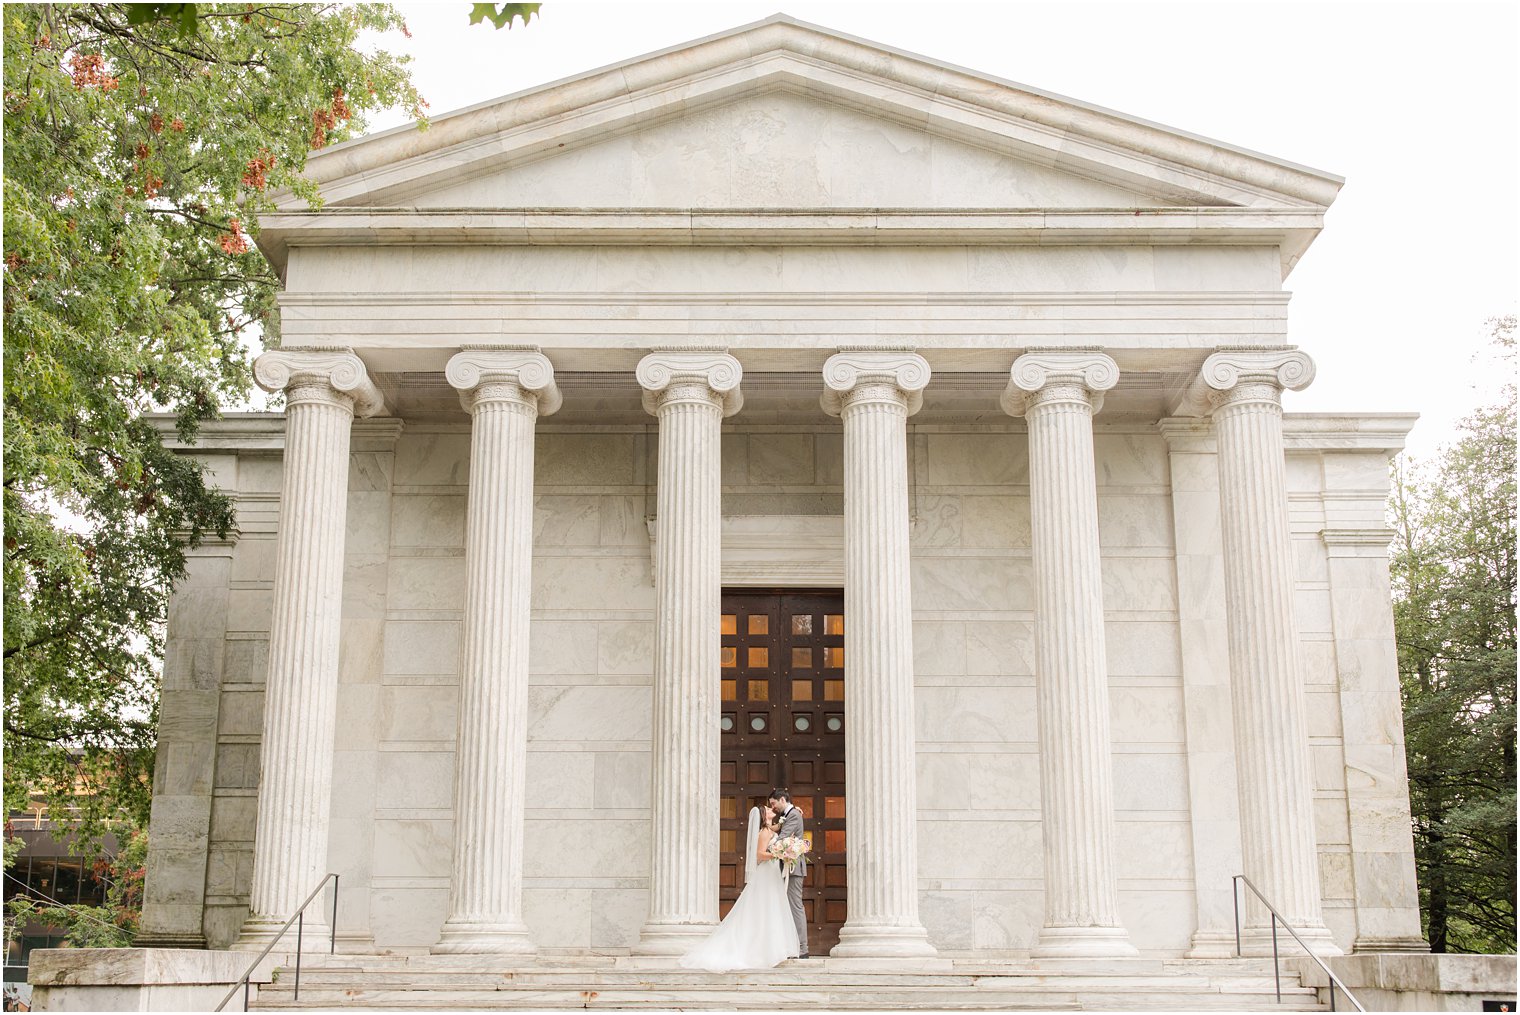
(1417, 105)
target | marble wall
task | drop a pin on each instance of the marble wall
(589, 729)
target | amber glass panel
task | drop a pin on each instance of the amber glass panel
(730, 690)
(802, 658)
(759, 657)
(802, 623)
(759, 623)
(833, 807)
(833, 657)
(802, 690)
(833, 840)
(730, 624)
(730, 656)
(805, 805)
(728, 840)
(728, 807)
(833, 690)
(808, 835)
(833, 623)
(759, 690)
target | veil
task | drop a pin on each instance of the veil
(751, 838)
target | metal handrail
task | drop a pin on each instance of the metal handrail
(1335, 981)
(299, 919)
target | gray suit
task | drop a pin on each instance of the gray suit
(791, 824)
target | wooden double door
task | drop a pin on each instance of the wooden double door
(783, 726)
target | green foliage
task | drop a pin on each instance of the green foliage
(113, 925)
(182, 15)
(503, 15)
(1453, 574)
(137, 157)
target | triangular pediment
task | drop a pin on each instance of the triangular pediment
(781, 114)
(780, 149)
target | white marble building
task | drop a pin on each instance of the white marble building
(785, 311)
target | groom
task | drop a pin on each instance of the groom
(780, 803)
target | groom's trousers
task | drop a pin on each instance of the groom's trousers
(794, 896)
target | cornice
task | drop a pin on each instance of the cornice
(1291, 229)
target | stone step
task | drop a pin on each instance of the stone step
(728, 999)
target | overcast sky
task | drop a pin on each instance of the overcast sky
(1416, 105)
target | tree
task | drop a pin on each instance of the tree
(113, 925)
(1453, 571)
(138, 156)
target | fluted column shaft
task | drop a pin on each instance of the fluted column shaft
(689, 393)
(1275, 779)
(503, 391)
(1058, 394)
(323, 391)
(874, 393)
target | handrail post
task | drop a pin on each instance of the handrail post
(1235, 898)
(245, 995)
(1277, 968)
(301, 926)
(1332, 995)
(332, 941)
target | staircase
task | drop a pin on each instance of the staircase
(439, 982)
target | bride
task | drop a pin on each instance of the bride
(758, 932)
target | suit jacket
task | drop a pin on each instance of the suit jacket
(791, 824)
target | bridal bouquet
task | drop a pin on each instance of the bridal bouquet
(789, 850)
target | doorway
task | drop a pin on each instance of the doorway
(783, 725)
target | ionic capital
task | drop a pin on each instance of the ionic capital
(1059, 376)
(333, 375)
(485, 373)
(856, 376)
(671, 376)
(1240, 375)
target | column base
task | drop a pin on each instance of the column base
(1257, 941)
(479, 937)
(258, 931)
(1406, 945)
(882, 942)
(169, 939)
(671, 938)
(1212, 944)
(1083, 943)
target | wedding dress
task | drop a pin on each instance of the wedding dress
(758, 932)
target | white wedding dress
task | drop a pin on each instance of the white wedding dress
(758, 932)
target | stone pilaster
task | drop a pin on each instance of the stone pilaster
(1058, 392)
(1213, 800)
(1244, 390)
(874, 393)
(505, 391)
(690, 393)
(324, 391)
(184, 770)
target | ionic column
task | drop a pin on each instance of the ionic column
(690, 393)
(324, 391)
(505, 391)
(1058, 392)
(875, 393)
(1244, 391)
